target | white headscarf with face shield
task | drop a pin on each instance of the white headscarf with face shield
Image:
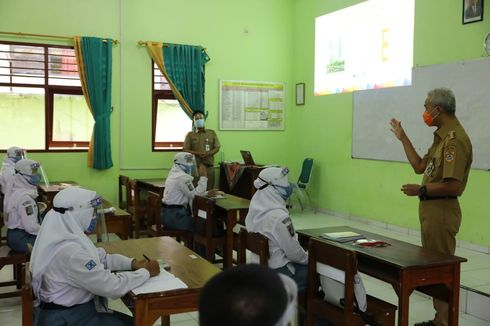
(60, 229)
(20, 184)
(14, 154)
(267, 199)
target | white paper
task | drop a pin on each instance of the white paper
(165, 281)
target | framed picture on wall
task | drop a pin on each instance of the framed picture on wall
(300, 94)
(472, 11)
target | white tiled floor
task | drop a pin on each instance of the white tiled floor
(475, 273)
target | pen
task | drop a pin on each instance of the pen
(146, 257)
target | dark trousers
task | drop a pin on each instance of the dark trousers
(17, 240)
(83, 314)
(176, 217)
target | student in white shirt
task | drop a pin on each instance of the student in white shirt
(268, 215)
(14, 154)
(21, 213)
(180, 191)
(70, 276)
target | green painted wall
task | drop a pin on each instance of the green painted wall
(372, 188)
(264, 40)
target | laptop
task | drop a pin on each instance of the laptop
(247, 158)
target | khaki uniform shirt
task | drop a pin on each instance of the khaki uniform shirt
(450, 155)
(202, 141)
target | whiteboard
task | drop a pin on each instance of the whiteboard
(251, 105)
(373, 109)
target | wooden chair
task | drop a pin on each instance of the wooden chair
(122, 191)
(27, 297)
(204, 227)
(17, 259)
(154, 225)
(136, 206)
(345, 260)
(256, 243)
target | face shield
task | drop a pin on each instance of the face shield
(16, 154)
(186, 162)
(30, 170)
(98, 222)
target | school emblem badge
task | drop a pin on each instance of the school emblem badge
(91, 264)
(450, 153)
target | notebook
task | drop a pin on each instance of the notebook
(345, 236)
(247, 158)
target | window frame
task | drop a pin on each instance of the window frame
(160, 94)
(49, 92)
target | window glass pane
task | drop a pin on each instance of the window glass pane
(21, 64)
(159, 81)
(72, 120)
(172, 123)
(63, 68)
(22, 122)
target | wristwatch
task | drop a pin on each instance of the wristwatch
(423, 191)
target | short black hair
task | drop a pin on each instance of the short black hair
(196, 112)
(247, 295)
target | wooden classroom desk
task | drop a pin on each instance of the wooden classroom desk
(236, 209)
(47, 193)
(193, 272)
(406, 267)
(155, 185)
(118, 222)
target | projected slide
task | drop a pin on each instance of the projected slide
(366, 46)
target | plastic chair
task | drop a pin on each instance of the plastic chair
(304, 181)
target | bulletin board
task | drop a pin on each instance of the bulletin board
(251, 105)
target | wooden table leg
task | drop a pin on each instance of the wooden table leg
(230, 224)
(454, 297)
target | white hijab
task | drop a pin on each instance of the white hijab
(18, 188)
(267, 201)
(61, 229)
(176, 173)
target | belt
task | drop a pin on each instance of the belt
(174, 206)
(54, 306)
(423, 198)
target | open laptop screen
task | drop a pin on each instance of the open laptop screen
(247, 158)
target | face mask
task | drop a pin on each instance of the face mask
(199, 123)
(33, 179)
(285, 192)
(16, 159)
(186, 168)
(92, 225)
(428, 119)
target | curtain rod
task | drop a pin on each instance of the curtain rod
(68, 38)
(143, 43)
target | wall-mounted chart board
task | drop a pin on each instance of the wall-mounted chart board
(373, 109)
(251, 105)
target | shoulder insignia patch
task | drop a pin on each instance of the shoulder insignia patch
(91, 264)
(450, 153)
(189, 185)
(29, 210)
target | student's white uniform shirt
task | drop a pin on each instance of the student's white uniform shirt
(66, 267)
(179, 189)
(75, 277)
(268, 215)
(21, 210)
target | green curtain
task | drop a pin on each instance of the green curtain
(184, 65)
(96, 57)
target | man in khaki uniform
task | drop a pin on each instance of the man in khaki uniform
(446, 167)
(203, 143)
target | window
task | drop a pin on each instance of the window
(169, 122)
(41, 100)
